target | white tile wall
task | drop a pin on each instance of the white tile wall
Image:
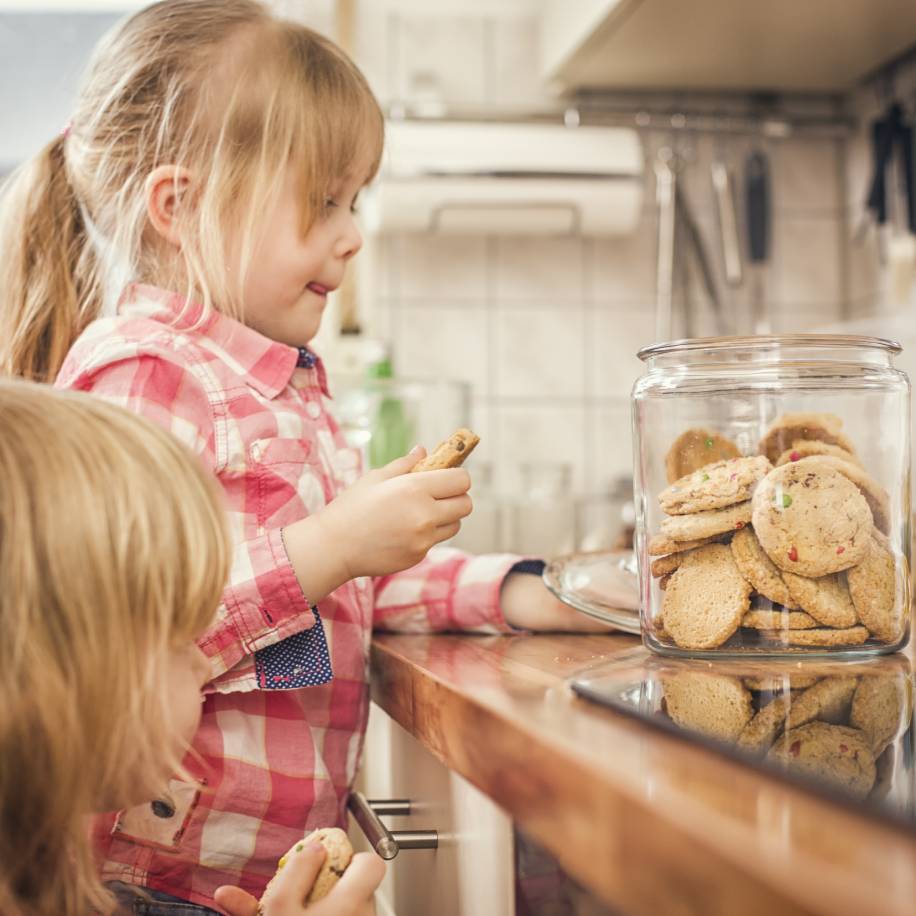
(614, 334)
(539, 355)
(539, 270)
(546, 329)
(450, 341)
(443, 268)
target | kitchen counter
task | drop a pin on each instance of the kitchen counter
(650, 822)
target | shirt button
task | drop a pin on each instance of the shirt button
(313, 410)
(162, 808)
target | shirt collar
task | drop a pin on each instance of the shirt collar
(266, 364)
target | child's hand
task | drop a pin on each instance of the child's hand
(351, 896)
(527, 604)
(389, 519)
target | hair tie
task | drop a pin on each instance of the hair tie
(68, 129)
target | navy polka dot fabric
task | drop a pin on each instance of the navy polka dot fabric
(306, 358)
(298, 661)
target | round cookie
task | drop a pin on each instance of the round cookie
(811, 520)
(765, 727)
(873, 587)
(666, 565)
(707, 524)
(661, 545)
(706, 599)
(829, 700)
(759, 569)
(663, 581)
(884, 783)
(880, 710)
(715, 486)
(778, 620)
(694, 449)
(791, 427)
(875, 495)
(712, 705)
(788, 681)
(807, 448)
(339, 853)
(826, 599)
(834, 753)
(852, 636)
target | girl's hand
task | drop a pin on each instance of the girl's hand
(390, 518)
(527, 604)
(351, 896)
(385, 522)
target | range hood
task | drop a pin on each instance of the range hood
(499, 178)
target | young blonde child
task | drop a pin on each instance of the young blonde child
(113, 557)
(213, 164)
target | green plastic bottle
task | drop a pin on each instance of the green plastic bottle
(391, 430)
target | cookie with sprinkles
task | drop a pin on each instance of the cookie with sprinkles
(811, 520)
(715, 486)
(694, 449)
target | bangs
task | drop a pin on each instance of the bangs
(339, 127)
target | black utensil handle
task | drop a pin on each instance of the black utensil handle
(905, 139)
(757, 200)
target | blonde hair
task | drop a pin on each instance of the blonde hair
(113, 553)
(219, 87)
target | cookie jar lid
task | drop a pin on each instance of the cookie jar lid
(775, 347)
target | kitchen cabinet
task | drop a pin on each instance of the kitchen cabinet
(471, 872)
(778, 45)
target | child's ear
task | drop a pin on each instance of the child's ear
(167, 189)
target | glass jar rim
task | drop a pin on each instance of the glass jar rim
(770, 341)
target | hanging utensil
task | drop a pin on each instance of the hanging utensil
(665, 185)
(695, 247)
(759, 218)
(728, 222)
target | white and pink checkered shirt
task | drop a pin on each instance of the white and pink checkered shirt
(283, 724)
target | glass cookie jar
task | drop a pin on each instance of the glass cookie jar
(772, 488)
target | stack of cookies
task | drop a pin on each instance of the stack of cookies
(788, 547)
(837, 729)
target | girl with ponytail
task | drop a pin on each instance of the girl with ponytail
(173, 253)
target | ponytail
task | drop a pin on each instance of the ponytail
(49, 288)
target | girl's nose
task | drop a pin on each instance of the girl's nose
(351, 241)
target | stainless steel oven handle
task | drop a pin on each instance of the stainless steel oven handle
(387, 843)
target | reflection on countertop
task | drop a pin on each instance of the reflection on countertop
(846, 729)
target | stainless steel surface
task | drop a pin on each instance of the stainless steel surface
(417, 839)
(722, 184)
(393, 807)
(645, 113)
(378, 835)
(388, 843)
(665, 188)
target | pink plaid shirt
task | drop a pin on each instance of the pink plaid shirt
(273, 758)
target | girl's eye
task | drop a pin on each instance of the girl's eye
(329, 203)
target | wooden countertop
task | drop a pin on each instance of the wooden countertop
(651, 823)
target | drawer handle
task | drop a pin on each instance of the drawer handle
(387, 843)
